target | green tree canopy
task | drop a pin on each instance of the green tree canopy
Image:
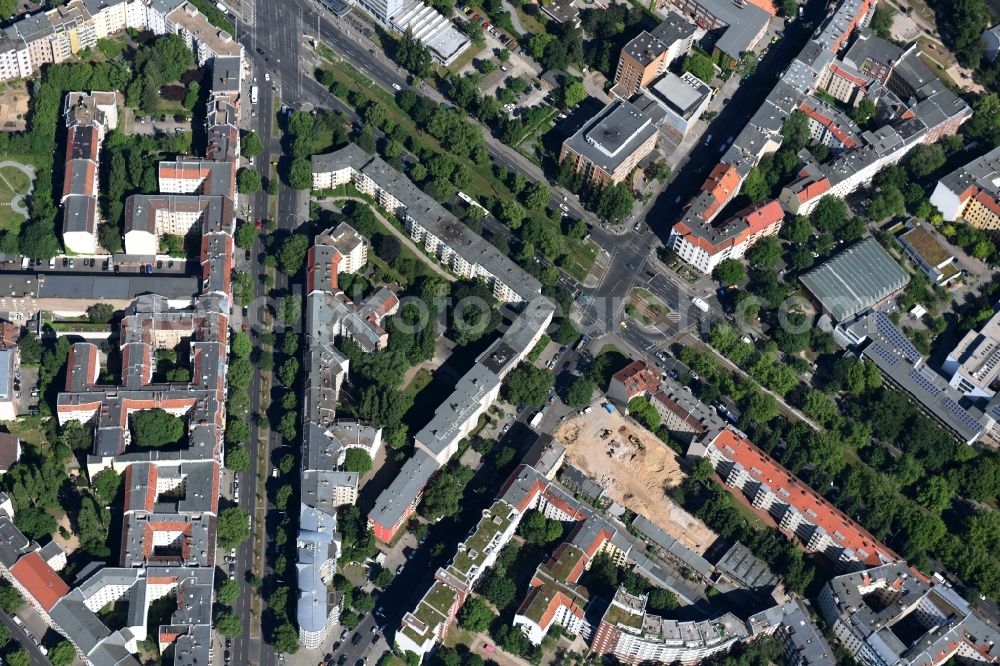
(100, 313)
(156, 428)
(580, 392)
(250, 144)
(699, 65)
(357, 460)
(228, 592)
(730, 272)
(233, 527)
(476, 615)
(527, 385)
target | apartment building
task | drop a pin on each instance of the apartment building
(705, 246)
(633, 636)
(171, 497)
(325, 438)
(611, 144)
(440, 233)
(88, 117)
(649, 54)
(204, 39)
(892, 614)
(742, 25)
(73, 29)
(636, 379)
(972, 193)
(916, 105)
(756, 478)
(455, 418)
(973, 365)
(675, 103)
(62, 32)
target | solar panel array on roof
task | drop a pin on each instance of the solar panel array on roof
(896, 339)
(923, 382)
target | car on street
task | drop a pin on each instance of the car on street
(355, 639)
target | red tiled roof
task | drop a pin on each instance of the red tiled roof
(814, 189)
(637, 378)
(762, 215)
(814, 508)
(40, 580)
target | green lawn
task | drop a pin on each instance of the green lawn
(581, 254)
(13, 182)
(418, 383)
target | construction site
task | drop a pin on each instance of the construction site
(635, 469)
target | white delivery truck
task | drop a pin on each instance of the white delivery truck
(700, 304)
(536, 419)
(253, 95)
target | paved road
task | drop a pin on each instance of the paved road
(35, 656)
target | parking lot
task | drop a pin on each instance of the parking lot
(150, 125)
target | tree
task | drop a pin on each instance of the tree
(539, 530)
(499, 589)
(755, 187)
(240, 373)
(10, 599)
(865, 109)
(282, 496)
(661, 600)
(829, 214)
(643, 411)
(476, 615)
(766, 253)
(383, 578)
(881, 23)
(887, 203)
(527, 385)
(246, 235)
(935, 493)
(228, 624)
(17, 658)
(250, 144)
(156, 428)
(106, 484)
(699, 65)
(292, 254)
(248, 181)
(232, 527)
(614, 203)
(300, 174)
(443, 493)
(241, 346)
(795, 131)
(228, 592)
(100, 313)
(730, 272)
(285, 639)
(413, 55)
(580, 392)
(572, 94)
(357, 460)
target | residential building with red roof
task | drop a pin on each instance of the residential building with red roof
(796, 508)
(38, 582)
(972, 193)
(706, 246)
(636, 379)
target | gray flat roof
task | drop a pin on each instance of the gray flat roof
(96, 287)
(683, 94)
(612, 135)
(855, 279)
(396, 499)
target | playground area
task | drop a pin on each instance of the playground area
(14, 100)
(15, 183)
(635, 468)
